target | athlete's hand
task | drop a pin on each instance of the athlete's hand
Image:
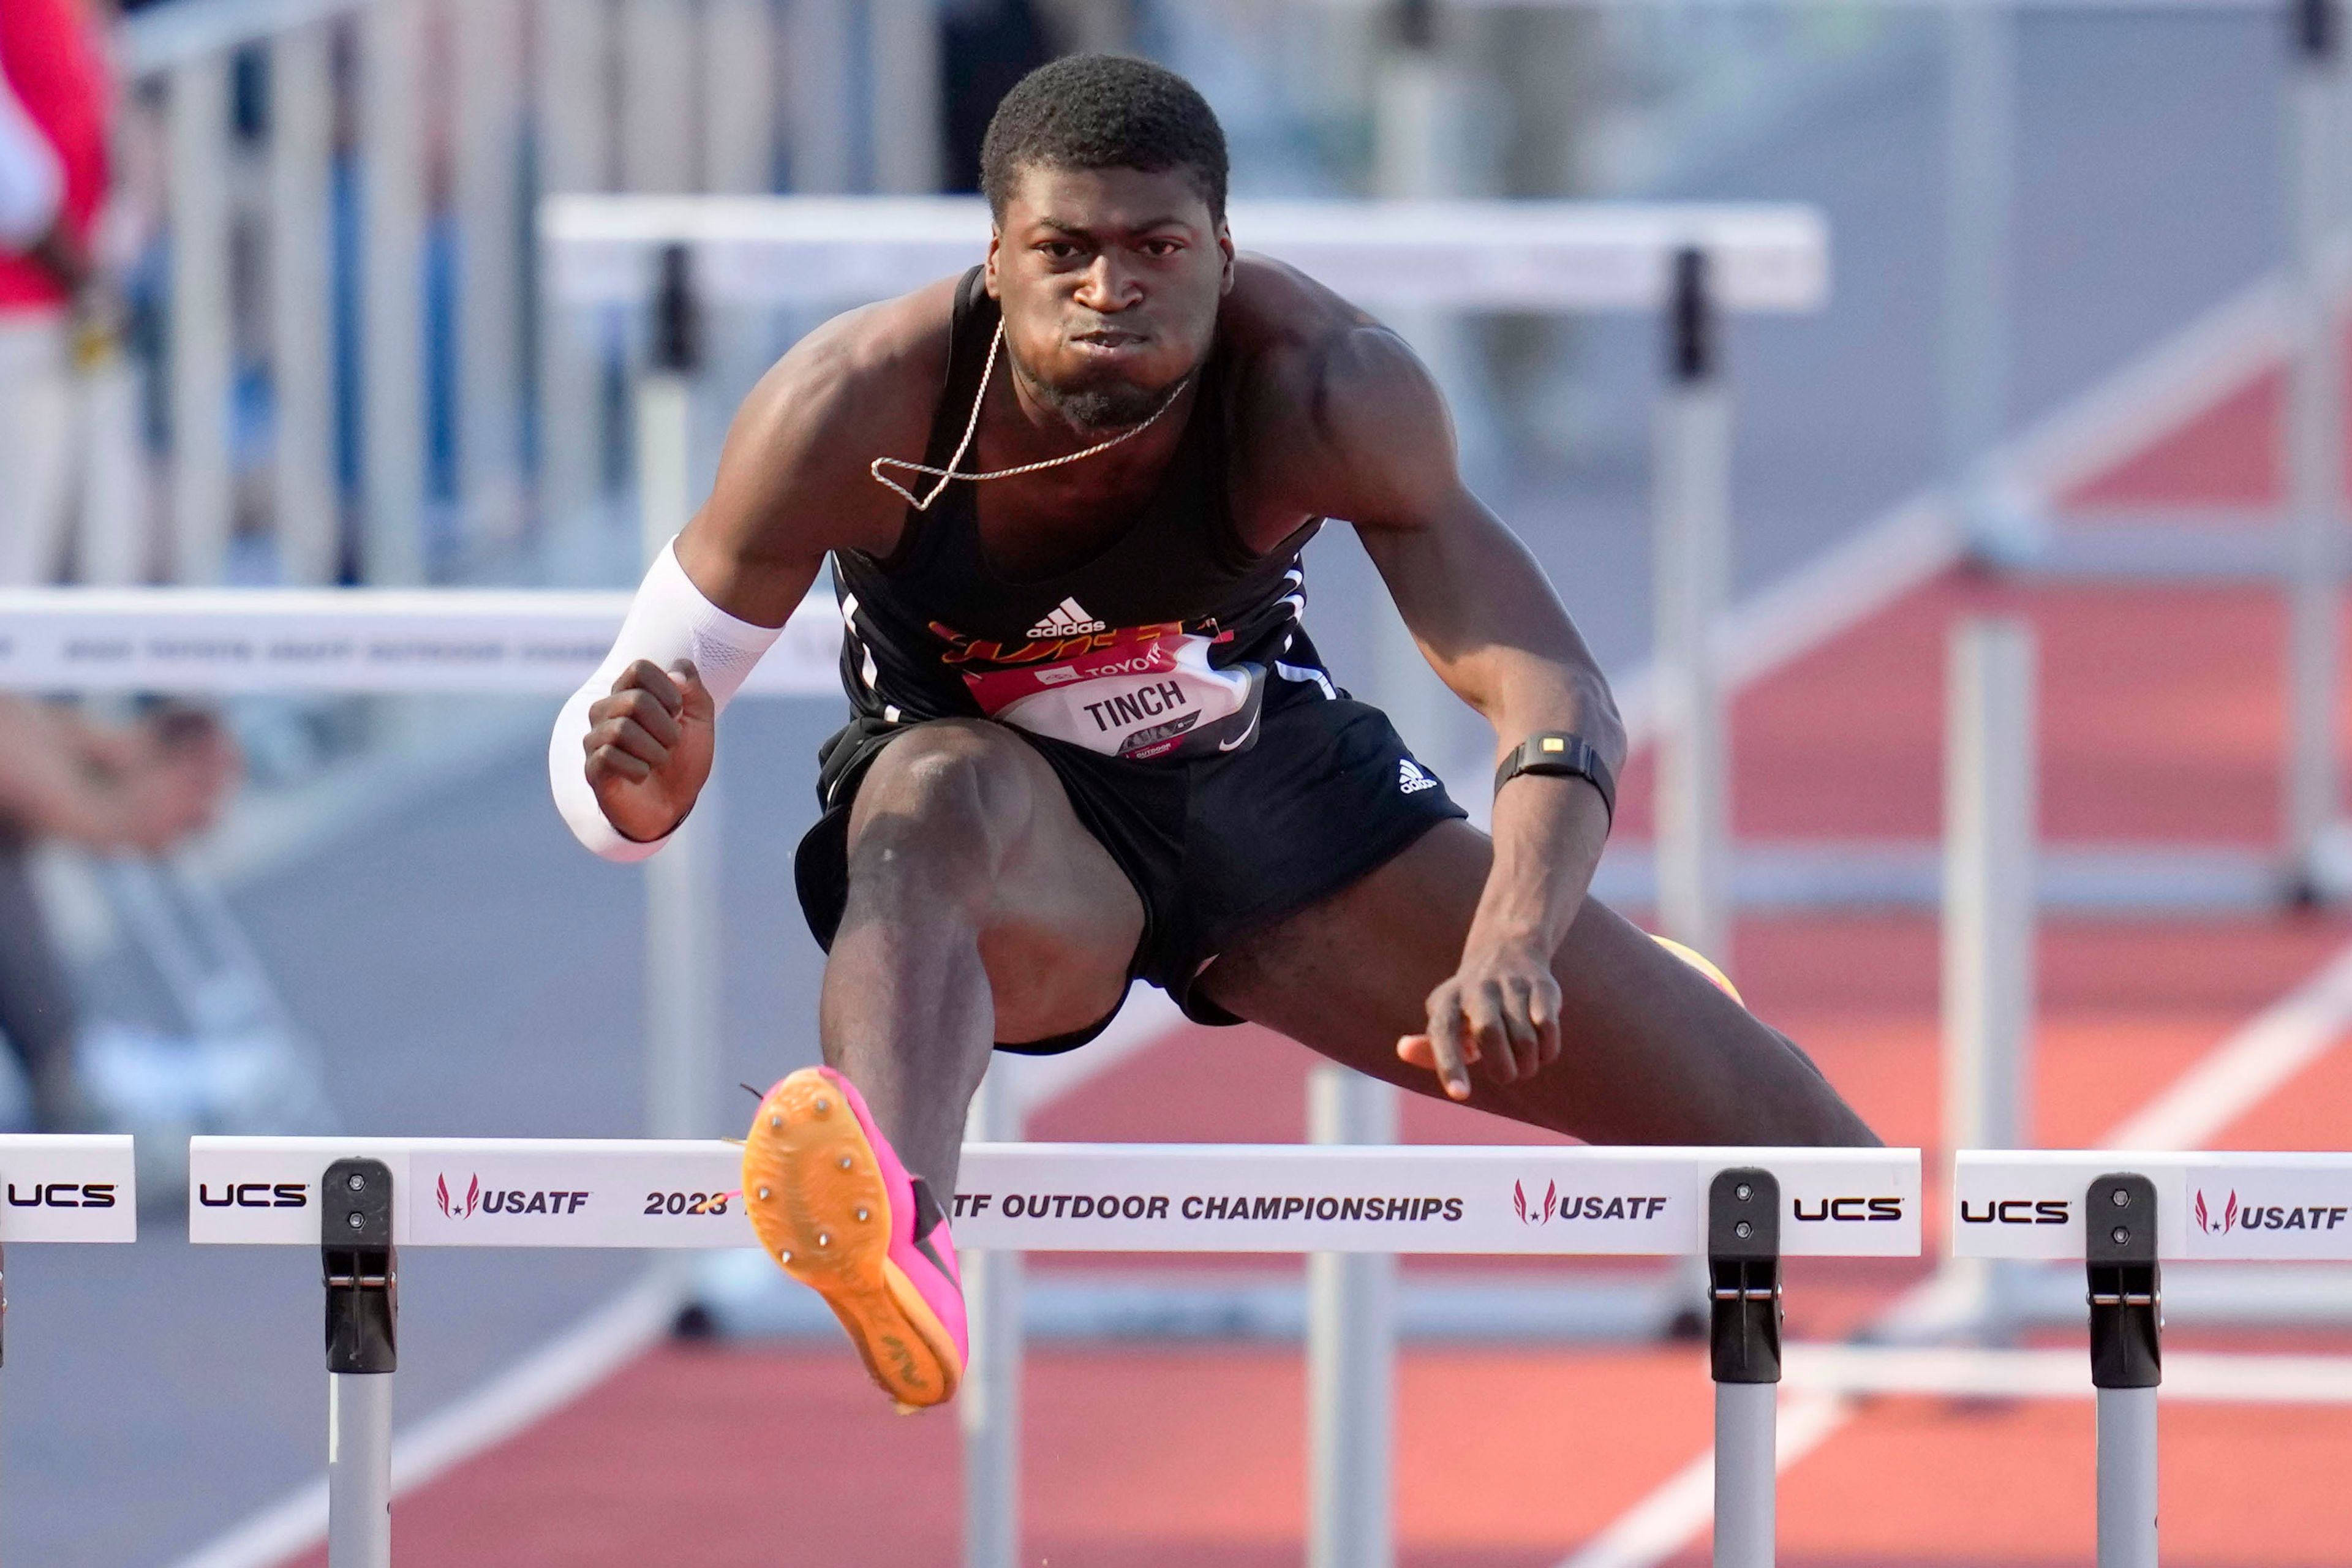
(1501, 1008)
(649, 747)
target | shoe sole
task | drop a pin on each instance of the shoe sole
(808, 1174)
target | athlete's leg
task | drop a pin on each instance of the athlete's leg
(979, 909)
(1651, 1051)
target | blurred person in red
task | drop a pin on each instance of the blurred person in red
(129, 789)
(55, 103)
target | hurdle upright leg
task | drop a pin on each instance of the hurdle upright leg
(1692, 581)
(2127, 1362)
(1744, 1270)
(363, 1307)
(359, 1470)
(989, 1404)
(2314, 450)
(1351, 1355)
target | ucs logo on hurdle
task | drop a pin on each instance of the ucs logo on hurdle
(1848, 1210)
(253, 1194)
(2017, 1211)
(62, 1196)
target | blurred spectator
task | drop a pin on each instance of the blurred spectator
(54, 107)
(134, 788)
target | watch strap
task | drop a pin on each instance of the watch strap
(1557, 754)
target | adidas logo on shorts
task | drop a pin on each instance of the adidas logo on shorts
(1411, 780)
(1067, 619)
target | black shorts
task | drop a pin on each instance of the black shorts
(1215, 849)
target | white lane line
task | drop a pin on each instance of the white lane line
(1862, 573)
(1659, 1524)
(2250, 1067)
(2254, 1060)
(2183, 377)
(542, 1383)
(2161, 389)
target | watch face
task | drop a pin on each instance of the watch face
(1561, 756)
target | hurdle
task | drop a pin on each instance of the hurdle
(2123, 1214)
(362, 1199)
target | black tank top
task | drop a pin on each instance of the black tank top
(1154, 648)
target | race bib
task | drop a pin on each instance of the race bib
(1149, 694)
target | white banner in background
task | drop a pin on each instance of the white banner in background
(1059, 1197)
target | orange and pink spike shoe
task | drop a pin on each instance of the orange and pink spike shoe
(831, 1202)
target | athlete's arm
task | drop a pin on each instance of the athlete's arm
(1490, 624)
(633, 748)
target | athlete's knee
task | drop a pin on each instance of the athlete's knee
(939, 800)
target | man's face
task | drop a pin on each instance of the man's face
(1109, 280)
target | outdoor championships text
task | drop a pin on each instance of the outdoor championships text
(1218, 1206)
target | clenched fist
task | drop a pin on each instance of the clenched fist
(649, 748)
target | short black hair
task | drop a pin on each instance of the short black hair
(1103, 111)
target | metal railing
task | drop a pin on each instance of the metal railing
(355, 366)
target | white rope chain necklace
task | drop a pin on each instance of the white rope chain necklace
(973, 424)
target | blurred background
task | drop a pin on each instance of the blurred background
(275, 314)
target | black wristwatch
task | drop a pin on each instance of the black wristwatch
(1561, 756)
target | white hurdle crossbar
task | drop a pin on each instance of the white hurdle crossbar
(829, 252)
(361, 1199)
(2122, 1213)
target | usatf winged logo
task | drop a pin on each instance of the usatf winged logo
(449, 1206)
(1535, 1217)
(2223, 1226)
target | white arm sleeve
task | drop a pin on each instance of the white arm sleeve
(32, 185)
(670, 620)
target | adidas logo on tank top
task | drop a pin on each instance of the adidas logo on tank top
(1067, 619)
(1411, 780)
